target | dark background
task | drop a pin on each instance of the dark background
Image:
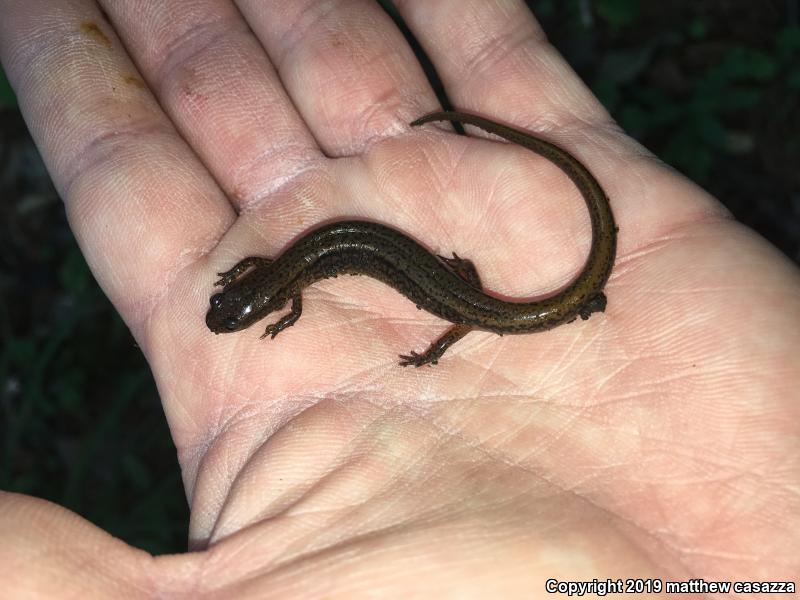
(712, 87)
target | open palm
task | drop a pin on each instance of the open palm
(659, 439)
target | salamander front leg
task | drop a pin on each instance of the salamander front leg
(229, 276)
(287, 320)
(437, 348)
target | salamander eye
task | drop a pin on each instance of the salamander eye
(216, 300)
(230, 323)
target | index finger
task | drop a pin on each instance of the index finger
(140, 203)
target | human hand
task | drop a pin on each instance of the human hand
(659, 439)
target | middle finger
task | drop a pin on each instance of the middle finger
(217, 84)
(346, 66)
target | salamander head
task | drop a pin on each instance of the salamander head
(235, 309)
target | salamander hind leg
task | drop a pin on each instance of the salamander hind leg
(437, 348)
(464, 268)
(229, 276)
(287, 320)
(596, 303)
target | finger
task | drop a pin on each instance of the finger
(141, 206)
(494, 58)
(215, 81)
(80, 559)
(346, 66)
(494, 61)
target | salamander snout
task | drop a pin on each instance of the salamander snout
(228, 311)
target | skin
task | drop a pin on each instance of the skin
(661, 440)
(448, 288)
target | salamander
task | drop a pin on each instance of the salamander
(449, 288)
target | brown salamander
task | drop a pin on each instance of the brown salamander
(447, 287)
